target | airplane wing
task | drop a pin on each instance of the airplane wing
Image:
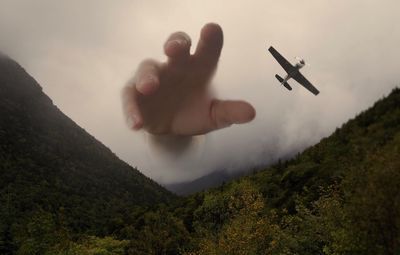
(303, 81)
(281, 60)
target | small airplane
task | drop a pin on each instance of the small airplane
(292, 72)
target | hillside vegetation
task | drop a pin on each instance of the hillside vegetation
(54, 176)
(341, 196)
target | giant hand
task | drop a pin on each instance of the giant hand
(174, 98)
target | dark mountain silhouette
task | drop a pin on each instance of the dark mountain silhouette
(210, 180)
(49, 164)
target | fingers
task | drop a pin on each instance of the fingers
(130, 108)
(210, 44)
(177, 47)
(226, 113)
(147, 77)
(145, 82)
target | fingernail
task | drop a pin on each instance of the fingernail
(147, 84)
(181, 42)
(132, 121)
(147, 79)
(177, 42)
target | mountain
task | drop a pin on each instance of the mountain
(49, 166)
(341, 196)
(210, 180)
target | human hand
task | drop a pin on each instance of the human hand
(174, 98)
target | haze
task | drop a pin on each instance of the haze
(82, 53)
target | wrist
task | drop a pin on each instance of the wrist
(170, 143)
(174, 146)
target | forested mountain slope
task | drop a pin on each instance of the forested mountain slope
(51, 169)
(341, 196)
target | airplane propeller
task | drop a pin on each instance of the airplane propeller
(300, 59)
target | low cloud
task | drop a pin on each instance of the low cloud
(83, 52)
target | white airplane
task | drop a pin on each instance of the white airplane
(292, 72)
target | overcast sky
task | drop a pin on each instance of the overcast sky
(82, 53)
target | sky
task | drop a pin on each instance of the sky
(83, 52)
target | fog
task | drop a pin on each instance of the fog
(82, 53)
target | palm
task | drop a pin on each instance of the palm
(181, 106)
(173, 98)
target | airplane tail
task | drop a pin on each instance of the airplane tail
(285, 84)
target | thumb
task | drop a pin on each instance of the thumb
(227, 112)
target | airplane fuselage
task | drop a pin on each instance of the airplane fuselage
(293, 72)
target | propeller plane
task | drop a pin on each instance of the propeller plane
(293, 72)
